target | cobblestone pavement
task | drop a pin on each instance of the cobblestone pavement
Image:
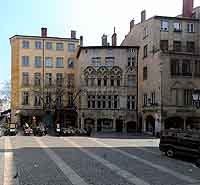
(95, 161)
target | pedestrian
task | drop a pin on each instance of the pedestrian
(34, 125)
(89, 130)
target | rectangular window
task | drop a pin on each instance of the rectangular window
(49, 45)
(71, 47)
(164, 45)
(109, 102)
(59, 62)
(145, 73)
(115, 102)
(177, 46)
(96, 61)
(99, 82)
(48, 99)
(175, 67)
(59, 46)
(59, 100)
(177, 27)
(145, 32)
(105, 81)
(186, 68)
(109, 61)
(190, 46)
(164, 25)
(48, 79)
(131, 61)
(89, 101)
(104, 102)
(25, 98)
(131, 80)
(38, 44)
(187, 97)
(37, 79)
(145, 51)
(48, 62)
(153, 98)
(25, 78)
(131, 102)
(59, 79)
(38, 61)
(112, 82)
(25, 44)
(25, 60)
(190, 28)
(145, 99)
(93, 102)
(70, 63)
(197, 68)
(118, 81)
(98, 102)
(37, 101)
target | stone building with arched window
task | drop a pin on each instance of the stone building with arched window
(108, 76)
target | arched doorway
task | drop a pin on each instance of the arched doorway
(150, 124)
(174, 122)
(88, 122)
(104, 125)
(131, 126)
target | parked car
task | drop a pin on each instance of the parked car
(181, 142)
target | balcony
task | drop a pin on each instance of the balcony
(181, 50)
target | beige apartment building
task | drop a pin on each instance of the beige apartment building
(107, 78)
(169, 69)
(42, 76)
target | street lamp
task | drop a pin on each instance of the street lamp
(196, 98)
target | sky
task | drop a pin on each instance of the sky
(90, 18)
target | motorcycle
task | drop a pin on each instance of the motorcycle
(27, 130)
(41, 130)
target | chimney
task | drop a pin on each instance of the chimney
(73, 34)
(132, 23)
(187, 8)
(43, 32)
(114, 38)
(143, 15)
(81, 41)
(104, 40)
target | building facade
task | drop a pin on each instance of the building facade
(107, 79)
(169, 69)
(42, 75)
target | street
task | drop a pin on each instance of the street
(96, 160)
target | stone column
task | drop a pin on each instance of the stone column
(114, 124)
(82, 122)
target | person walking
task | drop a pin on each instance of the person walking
(34, 125)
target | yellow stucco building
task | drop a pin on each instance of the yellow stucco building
(42, 74)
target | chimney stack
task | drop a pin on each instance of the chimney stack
(143, 15)
(132, 23)
(114, 38)
(187, 8)
(43, 32)
(81, 41)
(73, 34)
(104, 40)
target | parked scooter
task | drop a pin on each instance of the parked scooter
(27, 130)
(41, 130)
(58, 131)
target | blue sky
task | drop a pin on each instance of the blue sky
(91, 18)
